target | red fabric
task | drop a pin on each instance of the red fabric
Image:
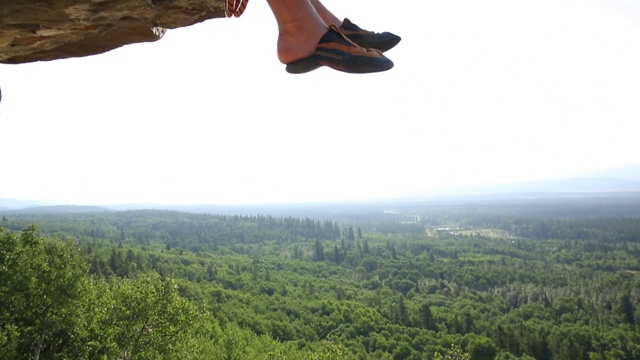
(234, 7)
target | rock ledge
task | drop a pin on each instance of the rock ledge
(41, 30)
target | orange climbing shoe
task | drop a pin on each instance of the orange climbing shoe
(369, 39)
(336, 51)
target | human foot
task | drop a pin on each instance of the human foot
(336, 51)
(369, 39)
(298, 39)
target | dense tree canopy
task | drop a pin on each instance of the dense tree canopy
(506, 282)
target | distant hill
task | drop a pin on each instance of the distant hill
(61, 209)
(617, 179)
(627, 172)
(9, 204)
(573, 185)
(620, 180)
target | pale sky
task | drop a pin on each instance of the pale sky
(482, 91)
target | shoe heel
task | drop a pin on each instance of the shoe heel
(303, 66)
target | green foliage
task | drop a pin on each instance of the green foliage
(481, 348)
(455, 353)
(146, 317)
(52, 309)
(510, 283)
(40, 283)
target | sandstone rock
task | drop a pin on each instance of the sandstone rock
(40, 30)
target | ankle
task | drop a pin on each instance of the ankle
(297, 40)
(297, 29)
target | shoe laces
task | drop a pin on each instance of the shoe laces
(358, 29)
(336, 29)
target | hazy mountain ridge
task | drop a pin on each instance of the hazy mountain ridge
(11, 204)
(59, 209)
(623, 179)
(626, 172)
(546, 187)
(618, 181)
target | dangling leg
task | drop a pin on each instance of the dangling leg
(324, 13)
(306, 42)
(367, 39)
(300, 28)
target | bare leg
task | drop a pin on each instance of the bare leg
(367, 39)
(324, 13)
(306, 41)
(300, 28)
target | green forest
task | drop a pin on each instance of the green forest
(528, 279)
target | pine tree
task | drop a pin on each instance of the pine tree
(426, 316)
(318, 254)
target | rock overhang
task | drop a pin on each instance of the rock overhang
(43, 30)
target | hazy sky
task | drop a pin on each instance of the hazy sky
(482, 91)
